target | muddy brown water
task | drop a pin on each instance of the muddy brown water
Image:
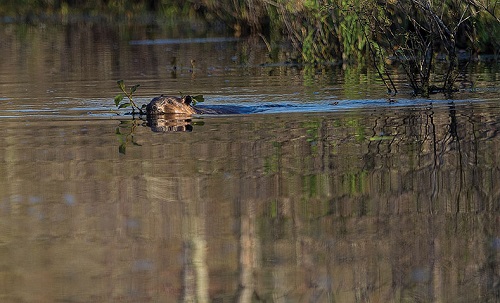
(334, 193)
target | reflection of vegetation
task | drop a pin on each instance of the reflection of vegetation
(271, 164)
(312, 131)
(125, 134)
(358, 129)
(273, 209)
(355, 182)
(310, 185)
(122, 8)
(382, 137)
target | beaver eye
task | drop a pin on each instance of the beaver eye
(155, 108)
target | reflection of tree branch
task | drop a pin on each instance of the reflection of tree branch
(381, 136)
(434, 179)
(389, 132)
(476, 174)
(456, 138)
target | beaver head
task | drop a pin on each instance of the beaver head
(163, 105)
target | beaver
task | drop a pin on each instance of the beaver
(167, 105)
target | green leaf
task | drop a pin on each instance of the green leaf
(121, 84)
(134, 88)
(121, 148)
(199, 98)
(118, 99)
(124, 105)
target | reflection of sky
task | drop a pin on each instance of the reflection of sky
(420, 275)
(142, 265)
(69, 199)
(34, 199)
(496, 243)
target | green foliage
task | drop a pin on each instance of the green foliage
(119, 99)
(196, 99)
(352, 29)
(318, 32)
(487, 27)
(327, 30)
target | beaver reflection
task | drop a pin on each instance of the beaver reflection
(169, 123)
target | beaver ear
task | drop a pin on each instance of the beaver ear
(187, 99)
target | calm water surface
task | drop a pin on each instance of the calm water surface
(333, 193)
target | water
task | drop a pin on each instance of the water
(335, 192)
